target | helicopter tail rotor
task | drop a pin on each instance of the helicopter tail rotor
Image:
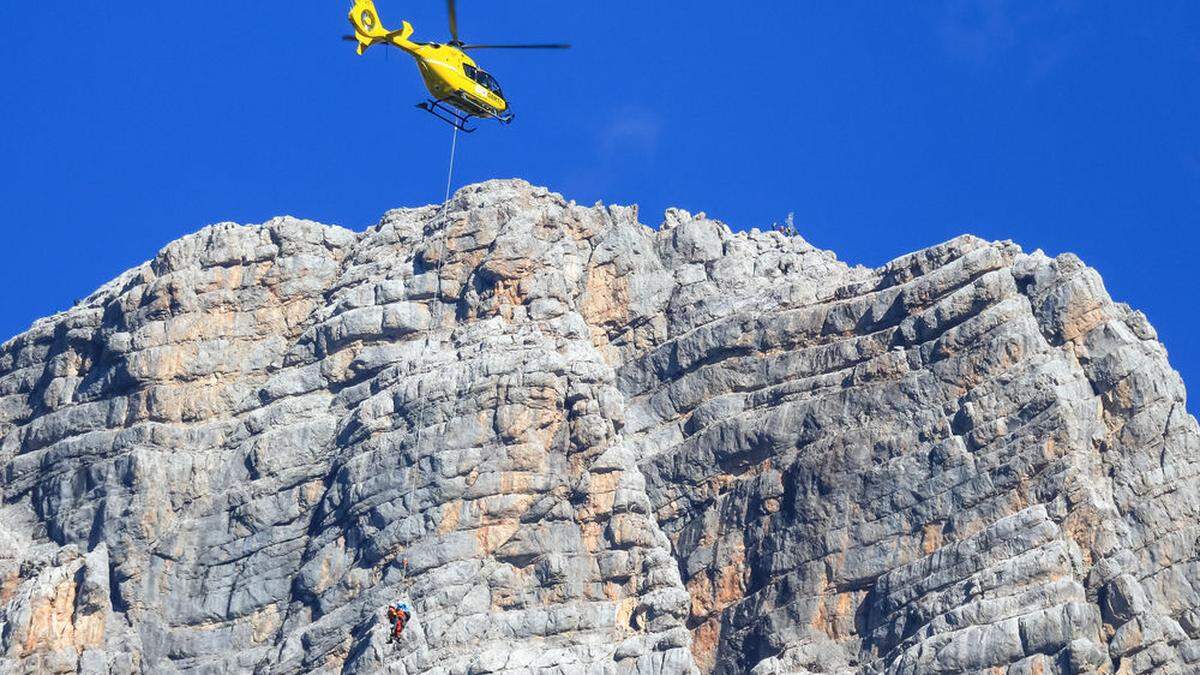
(369, 29)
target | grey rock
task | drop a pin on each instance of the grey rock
(576, 444)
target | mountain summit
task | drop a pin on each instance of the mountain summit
(575, 444)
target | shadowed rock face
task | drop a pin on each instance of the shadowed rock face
(576, 444)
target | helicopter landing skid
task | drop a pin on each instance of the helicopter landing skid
(447, 114)
(458, 119)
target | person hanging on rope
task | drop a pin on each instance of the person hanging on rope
(399, 615)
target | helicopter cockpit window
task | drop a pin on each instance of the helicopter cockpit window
(470, 71)
(489, 82)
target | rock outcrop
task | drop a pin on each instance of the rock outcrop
(575, 444)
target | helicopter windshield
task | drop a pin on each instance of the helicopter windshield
(485, 79)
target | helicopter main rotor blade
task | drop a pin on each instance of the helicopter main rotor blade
(453, 22)
(544, 46)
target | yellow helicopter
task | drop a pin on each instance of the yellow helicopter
(460, 89)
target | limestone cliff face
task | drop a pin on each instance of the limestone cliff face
(575, 444)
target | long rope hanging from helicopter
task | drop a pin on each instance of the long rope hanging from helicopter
(459, 90)
(423, 409)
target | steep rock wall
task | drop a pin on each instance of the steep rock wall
(575, 444)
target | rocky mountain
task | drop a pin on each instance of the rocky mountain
(576, 444)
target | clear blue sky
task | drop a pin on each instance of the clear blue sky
(884, 126)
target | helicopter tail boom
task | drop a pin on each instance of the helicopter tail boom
(369, 29)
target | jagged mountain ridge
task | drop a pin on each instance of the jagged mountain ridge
(576, 444)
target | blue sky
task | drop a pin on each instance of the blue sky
(883, 126)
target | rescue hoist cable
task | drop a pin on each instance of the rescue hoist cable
(439, 219)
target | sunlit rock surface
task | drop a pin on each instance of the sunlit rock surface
(576, 444)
